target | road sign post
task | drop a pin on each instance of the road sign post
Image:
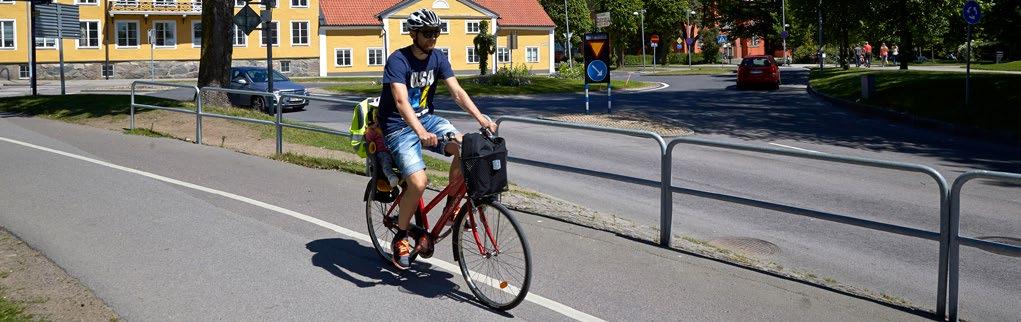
(654, 42)
(597, 67)
(972, 14)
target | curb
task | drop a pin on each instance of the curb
(918, 121)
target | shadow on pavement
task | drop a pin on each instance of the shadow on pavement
(361, 266)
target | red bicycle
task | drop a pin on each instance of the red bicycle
(489, 245)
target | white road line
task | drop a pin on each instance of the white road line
(793, 147)
(662, 85)
(531, 297)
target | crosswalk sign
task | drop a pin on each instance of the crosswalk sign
(597, 58)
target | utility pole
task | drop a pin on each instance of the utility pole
(687, 42)
(567, 37)
(820, 54)
(641, 13)
(783, 18)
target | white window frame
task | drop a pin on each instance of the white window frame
(469, 52)
(116, 33)
(163, 3)
(308, 39)
(174, 32)
(350, 57)
(500, 52)
(27, 70)
(193, 43)
(83, 2)
(14, 34)
(6, 1)
(538, 57)
(102, 70)
(45, 40)
(99, 36)
(404, 28)
(478, 28)
(262, 39)
(755, 42)
(234, 40)
(285, 63)
(291, 2)
(368, 56)
(239, 3)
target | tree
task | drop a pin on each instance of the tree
(485, 44)
(578, 14)
(624, 24)
(664, 17)
(710, 48)
(217, 48)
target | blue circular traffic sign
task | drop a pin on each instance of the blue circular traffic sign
(597, 70)
(972, 13)
(690, 41)
(784, 34)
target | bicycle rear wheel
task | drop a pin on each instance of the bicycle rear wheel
(382, 227)
(493, 255)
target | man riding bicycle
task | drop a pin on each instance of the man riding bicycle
(408, 123)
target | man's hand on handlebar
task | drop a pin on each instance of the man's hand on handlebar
(428, 139)
(491, 126)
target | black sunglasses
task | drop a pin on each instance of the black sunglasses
(429, 33)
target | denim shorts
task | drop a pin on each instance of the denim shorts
(407, 148)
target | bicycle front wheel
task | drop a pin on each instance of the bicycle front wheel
(493, 254)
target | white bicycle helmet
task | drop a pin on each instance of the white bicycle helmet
(423, 18)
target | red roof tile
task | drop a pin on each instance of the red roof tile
(513, 13)
(518, 13)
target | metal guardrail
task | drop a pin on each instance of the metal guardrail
(197, 98)
(943, 236)
(956, 240)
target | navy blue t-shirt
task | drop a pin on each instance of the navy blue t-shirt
(420, 76)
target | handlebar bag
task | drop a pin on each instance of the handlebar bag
(484, 161)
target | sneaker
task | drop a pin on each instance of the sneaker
(401, 253)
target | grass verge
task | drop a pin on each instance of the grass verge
(695, 71)
(934, 95)
(13, 311)
(540, 85)
(1014, 66)
(74, 108)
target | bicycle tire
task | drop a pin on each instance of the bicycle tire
(469, 257)
(374, 212)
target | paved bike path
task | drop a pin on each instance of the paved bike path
(159, 251)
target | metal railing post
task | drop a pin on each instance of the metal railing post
(944, 249)
(198, 116)
(279, 122)
(132, 125)
(666, 197)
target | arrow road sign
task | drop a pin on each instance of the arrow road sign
(247, 19)
(597, 70)
(972, 12)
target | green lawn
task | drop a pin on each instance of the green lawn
(936, 95)
(1014, 66)
(336, 79)
(540, 85)
(695, 71)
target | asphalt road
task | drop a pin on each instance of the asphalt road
(166, 230)
(619, 175)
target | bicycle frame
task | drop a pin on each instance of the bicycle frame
(458, 192)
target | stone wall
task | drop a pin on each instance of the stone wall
(164, 69)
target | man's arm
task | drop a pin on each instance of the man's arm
(465, 102)
(400, 93)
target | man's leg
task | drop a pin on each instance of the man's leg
(416, 183)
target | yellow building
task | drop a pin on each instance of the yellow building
(356, 37)
(116, 34)
(332, 38)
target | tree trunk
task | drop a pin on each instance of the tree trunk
(217, 49)
(907, 51)
(845, 49)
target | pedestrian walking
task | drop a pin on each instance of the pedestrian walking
(884, 53)
(896, 51)
(868, 55)
(858, 54)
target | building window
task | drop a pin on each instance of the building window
(299, 3)
(375, 56)
(107, 70)
(285, 66)
(239, 3)
(7, 34)
(127, 34)
(6, 1)
(196, 33)
(472, 57)
(83, 1)
(24, 72)
(445, 28)
(755, 41)
(163, 3)
(532, 54)
(471, 27)
(343, 57)
(299, 33)
(273, 34)
(404, 27)
(502, 55)
(240, 39)
(45, 43)
(164, 34)
(90, 34)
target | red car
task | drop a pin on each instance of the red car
(758, 70)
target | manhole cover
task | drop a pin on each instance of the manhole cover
(751, 246)
(1002, 240)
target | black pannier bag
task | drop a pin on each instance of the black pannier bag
(485, 165)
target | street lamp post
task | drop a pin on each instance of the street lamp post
(783, 17)
(820, 36)
(567, 20)
(641, 13)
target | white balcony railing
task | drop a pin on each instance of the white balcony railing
(155, 7)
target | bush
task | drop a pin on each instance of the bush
(512, 76)
(682, 58)
(565, 71)
(710, 48)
